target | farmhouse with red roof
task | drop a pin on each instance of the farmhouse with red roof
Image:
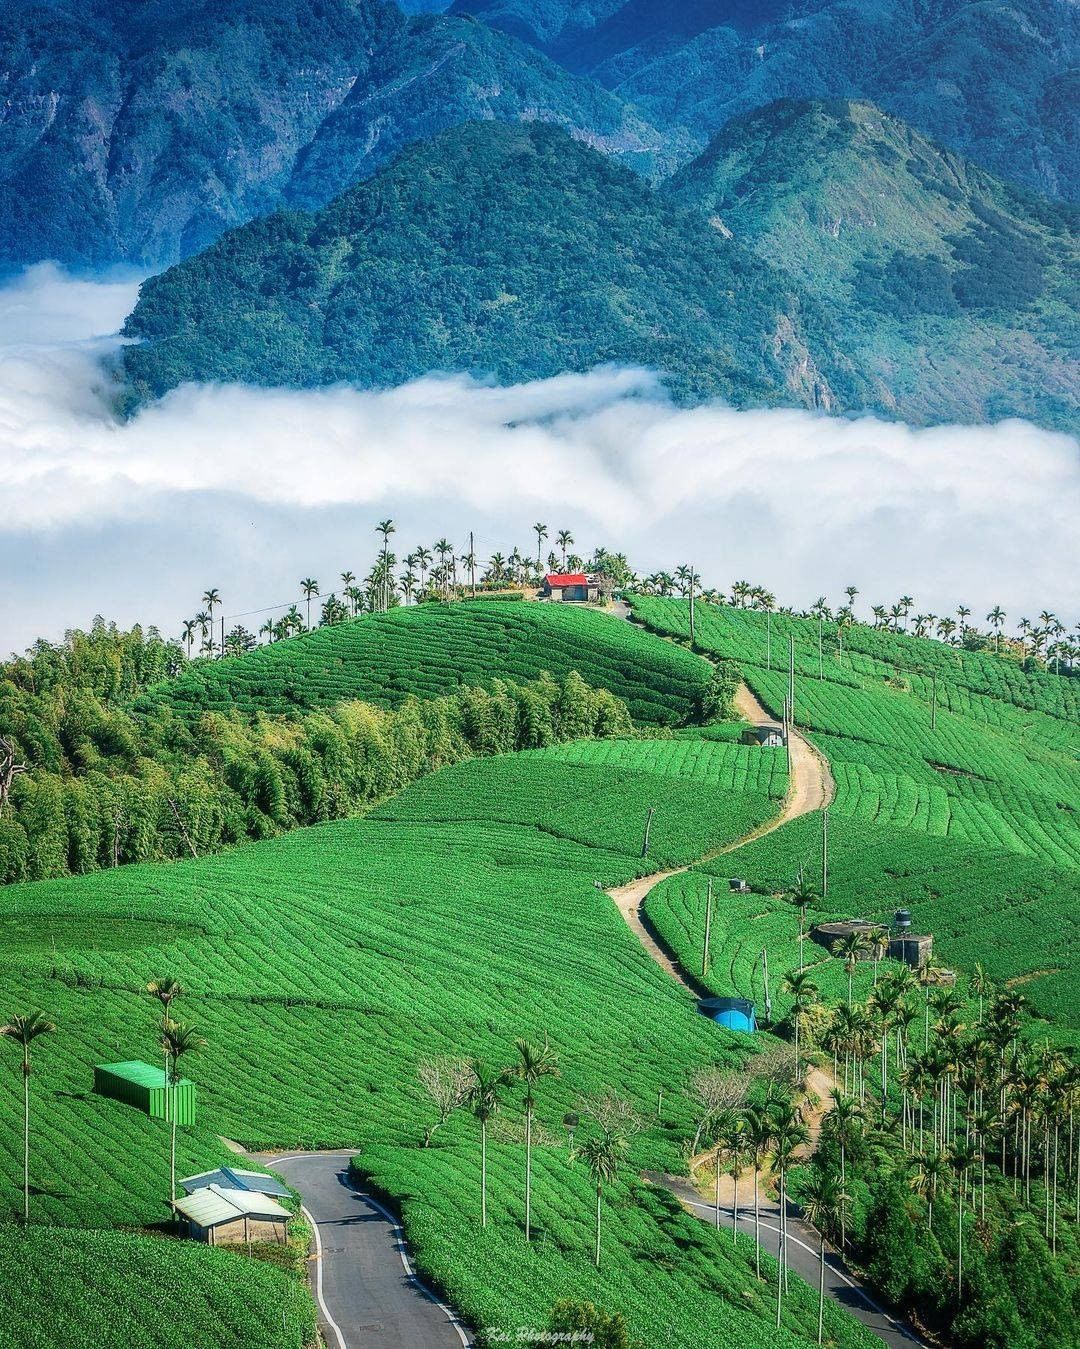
(570, 585)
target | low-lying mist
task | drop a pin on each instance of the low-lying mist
(250, 489)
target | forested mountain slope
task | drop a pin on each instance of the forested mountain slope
(138, 132)
(821, 255)
(514, 251)
(955, 291)
(995, 81)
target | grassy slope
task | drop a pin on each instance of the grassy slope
(972, 825)
(434, 649)
(330, 961)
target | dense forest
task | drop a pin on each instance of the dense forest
(87, 783)
(515, 252)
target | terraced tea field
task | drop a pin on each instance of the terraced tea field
(743, 635)
(106, 1288)
(974, 823)
(322, 966)
(688, 1284)
(435, 649)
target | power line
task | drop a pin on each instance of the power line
(249, 613)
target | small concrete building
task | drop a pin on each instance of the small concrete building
(769, 736)
(828, 934)
(912, 949)
(570, 585)
(221, 1216)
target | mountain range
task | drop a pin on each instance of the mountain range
(138, 131)
(846, 206)
(996, 80)
(821, 254)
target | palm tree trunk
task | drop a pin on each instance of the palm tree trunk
(26, 1135)
(528, 1171)
(599, 1194)
(843, 1183)
(716, 1192)
(780, 1254)
(483, 1173)
(757, 1225)
(960, 1242)
(735, 1210)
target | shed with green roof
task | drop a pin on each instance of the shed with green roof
(145, 1087)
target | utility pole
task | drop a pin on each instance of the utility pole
(791, 676)
(708, 930)
(472, 564)
(825, 852)
(765, 977)
(820, 673)
(692, 579)
(768, 639)
(933, 705)
(221, 651)
(787, 738)
(648, 827)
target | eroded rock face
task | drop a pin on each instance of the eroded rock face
(138, 134)
(135, 133)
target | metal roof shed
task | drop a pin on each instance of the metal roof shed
(216, 1214)
(229, 1178)
(144, 1086)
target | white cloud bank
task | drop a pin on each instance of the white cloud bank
(249, 489)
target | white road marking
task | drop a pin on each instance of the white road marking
(399, 1235)
(749, 1219)
(318, 1280)
(449, 1312)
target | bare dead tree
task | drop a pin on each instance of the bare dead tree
(10, 768)
(614, 1114)
(714, 1090)
(183, 827)
(447, 1081)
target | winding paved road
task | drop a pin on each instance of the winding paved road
(810, 788)
(801, 1256)
(364, 1285)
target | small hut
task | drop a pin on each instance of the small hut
(221, 1216)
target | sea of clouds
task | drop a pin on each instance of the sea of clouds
(250, 489)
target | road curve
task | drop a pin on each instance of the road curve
(364, 1284)
(801, 1256)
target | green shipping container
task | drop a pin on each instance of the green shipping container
(144, 1086)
